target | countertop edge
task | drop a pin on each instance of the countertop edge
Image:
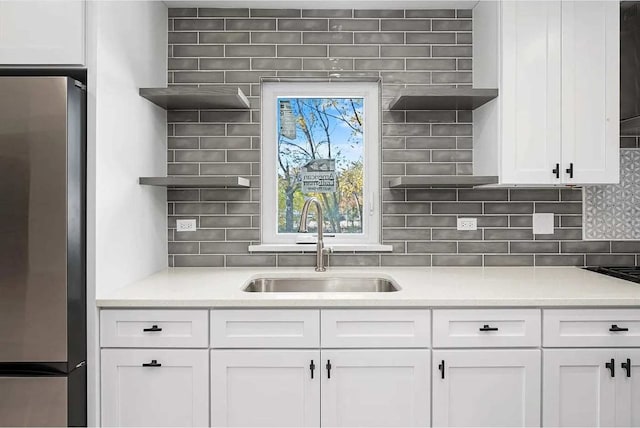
(335, 303)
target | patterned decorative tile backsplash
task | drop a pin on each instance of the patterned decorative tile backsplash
(405, 48)
(613, 211)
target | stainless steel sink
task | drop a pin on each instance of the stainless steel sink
(321, 285)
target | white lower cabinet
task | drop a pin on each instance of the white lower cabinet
(489, 388)
(375, 388)
(296, 368)
(155, 387)
(591, 387)
(265, 388)
(628, 388)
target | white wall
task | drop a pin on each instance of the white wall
(126, 138)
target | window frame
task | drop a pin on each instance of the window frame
(371, 94)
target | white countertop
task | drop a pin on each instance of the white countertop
(420, 287)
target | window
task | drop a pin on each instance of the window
(321, 140)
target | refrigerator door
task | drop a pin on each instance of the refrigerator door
(33, 401)
(33, 227)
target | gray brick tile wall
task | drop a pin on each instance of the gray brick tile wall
(404, 47)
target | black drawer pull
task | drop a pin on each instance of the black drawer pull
(612, 367)
(441, 368)
(153, 363)
(614, 327)
(627, 367)
(556, 170)
(328, 366)
(152, 328)
(312, 367)
(487, 328)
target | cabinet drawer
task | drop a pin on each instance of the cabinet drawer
(375, 328)
(148, 328)
(566, 328)
(265, 328)
(478, 328)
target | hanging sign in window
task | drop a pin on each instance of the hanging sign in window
(319, 176)
(287, 120)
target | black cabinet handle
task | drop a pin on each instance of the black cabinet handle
(152, 328)
(441, 368)
(328, 366)
(570, 170)
(627, 367)
(153, 363)
(612, 367)
(487, 328)
(556, 170)
(614, 327)
(312, 367)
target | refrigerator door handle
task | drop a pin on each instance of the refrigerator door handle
(33, 369)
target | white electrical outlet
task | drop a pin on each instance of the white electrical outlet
(467, 224)
(186, 225)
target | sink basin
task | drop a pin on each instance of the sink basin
(321, 285)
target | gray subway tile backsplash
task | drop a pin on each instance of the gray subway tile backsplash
(223, 12)
(276, 13)
(405, 25)
(198, 24)
(250, 24)
(378, 13)
(430, 13)
(327, 13)
(407, 49)
(303, 25)
(508, 260)
(379, 38)
(456, 260)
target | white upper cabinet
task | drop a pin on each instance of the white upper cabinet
(530, 91)
(42, 32)
(556, 65)
(590, 91)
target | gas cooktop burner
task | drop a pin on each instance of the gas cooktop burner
(630, 273)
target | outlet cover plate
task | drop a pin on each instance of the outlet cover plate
(186, 225)
(543, 224)
(467, 224)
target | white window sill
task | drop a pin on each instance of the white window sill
(311, 248)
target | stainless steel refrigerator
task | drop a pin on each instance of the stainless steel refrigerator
(42, 252)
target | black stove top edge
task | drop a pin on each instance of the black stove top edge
(629, 273)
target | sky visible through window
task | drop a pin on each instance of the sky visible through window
(321, 154)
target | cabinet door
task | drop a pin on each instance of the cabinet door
(272, 388)
(530, 92)
(578, 389)
(628, 388)
(496, 388)
(591, 91)
(375, 388)
(155, 387)
(42, 32)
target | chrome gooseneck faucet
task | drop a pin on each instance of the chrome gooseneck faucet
(303, 229)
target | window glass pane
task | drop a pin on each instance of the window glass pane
(321, 154)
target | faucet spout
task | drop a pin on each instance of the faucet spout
(303, 228)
